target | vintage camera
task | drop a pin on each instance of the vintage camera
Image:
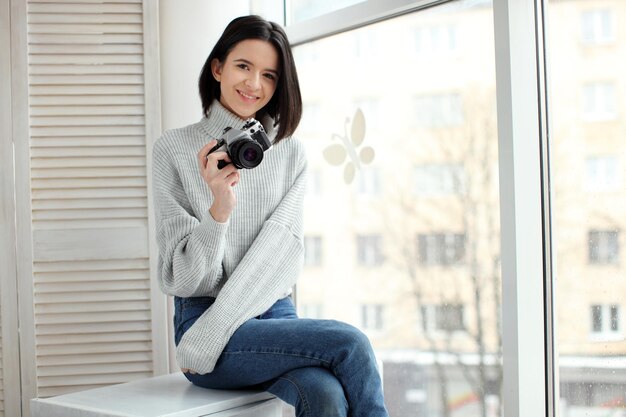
(244, 147)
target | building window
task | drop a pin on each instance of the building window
(599, 101)
(372, 111)
(597, 26)
(605, 321)
(310, 311)
(441, 248)
(312, 251)
(372, 316)
(314, 183)
(369, 250)
(438, 110)
(436, 39)
(603, 246)
(367, 44)
(443, 317)
(602, 174)
(311, 118)
(439, 179)
(368, 182)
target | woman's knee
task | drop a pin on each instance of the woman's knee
(314, 392)
(351, 338)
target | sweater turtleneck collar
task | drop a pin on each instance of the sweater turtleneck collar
(219, 118)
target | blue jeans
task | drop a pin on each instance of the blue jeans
(324, 368)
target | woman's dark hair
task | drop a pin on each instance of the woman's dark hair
(285, 107)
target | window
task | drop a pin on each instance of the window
(370, 244)
(371, 109)
(310, 310)
(307, 9)
(369, 250)
(597, 26)
(605, 321)
(439, 179)
(369, 182)
(366, 44)
(372, 316)
(443, 317)
(599, 101)
(312, 251)
(441, 248)
(589, 392)
(311, 118)
(603, 246)
(602, 174)
(587, 60)
(438, 110)
(314, 182)
(436, 39)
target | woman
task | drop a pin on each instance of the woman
(230, 241)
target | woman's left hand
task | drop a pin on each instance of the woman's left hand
(188, 371)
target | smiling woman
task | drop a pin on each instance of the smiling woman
(231, 241)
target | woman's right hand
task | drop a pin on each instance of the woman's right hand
(220, 181)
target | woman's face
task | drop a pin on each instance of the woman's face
(248, 77)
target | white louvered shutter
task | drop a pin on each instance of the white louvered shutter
(91, 230)
(1, 374)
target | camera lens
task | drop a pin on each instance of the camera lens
(250, 154)
(246, 154)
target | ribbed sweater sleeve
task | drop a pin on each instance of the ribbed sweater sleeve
(266, 272)
(190, 249)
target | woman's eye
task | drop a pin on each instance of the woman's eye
(270, 77)
(242, 66)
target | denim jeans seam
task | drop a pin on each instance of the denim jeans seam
(241, 352)
(305, 403)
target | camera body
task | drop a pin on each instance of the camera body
(245, 146)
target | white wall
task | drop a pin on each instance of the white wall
(188, 30)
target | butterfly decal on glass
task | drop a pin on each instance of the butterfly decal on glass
(336, 154)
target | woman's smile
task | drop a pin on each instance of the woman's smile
(248, 97)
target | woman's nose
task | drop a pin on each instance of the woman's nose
(253, 80)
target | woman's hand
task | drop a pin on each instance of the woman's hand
(187, 370)
(220, 181)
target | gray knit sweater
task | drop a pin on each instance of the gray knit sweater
(248, 262)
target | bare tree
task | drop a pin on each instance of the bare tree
(472, 206)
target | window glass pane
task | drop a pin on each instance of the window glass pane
(596, 26)
(300, 10)
(602, 173)
(614, 318)
(596, 317)
(312, 251)
(587, 152)
(400, 129)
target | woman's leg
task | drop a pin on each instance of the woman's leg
(261, 351)
(313, 391)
